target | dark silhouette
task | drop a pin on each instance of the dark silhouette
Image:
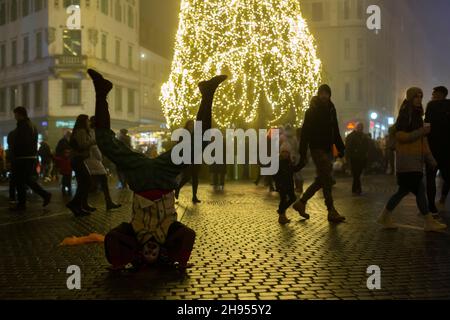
(438, 116)
(23, 153)
(357, 146)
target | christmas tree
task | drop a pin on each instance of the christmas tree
(264, 46)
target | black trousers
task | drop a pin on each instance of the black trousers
(357, 166)
(444, 168)
(287, 198)
(24, 174)
(83, 182)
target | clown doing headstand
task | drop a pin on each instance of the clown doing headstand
(153, 181)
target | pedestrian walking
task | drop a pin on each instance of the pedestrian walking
(65, 169)
(81, 142)
(284, 182)
(438, 116)
(357, 147)
(23, 143)
(98, 171)
(319, 133)
(412, 153)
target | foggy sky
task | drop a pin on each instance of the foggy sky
(160, 24)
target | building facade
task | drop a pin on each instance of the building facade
(44, 58)
(364, 67)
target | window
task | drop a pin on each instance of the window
(14, 8)
(26, 50)
(130, 101)
(14, 53)
(2, 100)
(360, 50)
(39, 45)
(104, 46)
(130, 57)
(104, 6)
(2, 56)
(347, 49)
(38, 95)
(118, 52)
(72, 93)
(2, 12)
(347, 91)
(130, 17)
(72, 42)
(118, 99)
(346, 9)
(118, 10)
(38, 5)
(317, 11)
(13, 97)
(360, 89)
(25, 8)
(25, 95)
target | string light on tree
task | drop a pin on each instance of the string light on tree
(263, 45)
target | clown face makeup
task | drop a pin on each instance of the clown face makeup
(151, 252)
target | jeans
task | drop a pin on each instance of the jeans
(357, 166)
(287, 198)
(324, 179)
(24, 174)
(410, 182)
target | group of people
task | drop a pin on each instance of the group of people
(156, 181)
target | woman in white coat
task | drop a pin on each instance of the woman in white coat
(98, 171)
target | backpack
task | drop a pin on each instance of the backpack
(122, 247)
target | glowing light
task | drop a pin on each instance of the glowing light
(264, 47)
(374, 116)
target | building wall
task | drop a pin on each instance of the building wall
(359, 64)
(54, 68)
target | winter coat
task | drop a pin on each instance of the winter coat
(284, 178)
(23, 140)
(320, 128)
(438, 115)
(81, 142)
(95, 161)
(357, 146)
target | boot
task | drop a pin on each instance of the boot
(102, 86)
(385, 219)
(432, 224)
(282, 219)
(111, 205)
(300, 207)
(335, 217)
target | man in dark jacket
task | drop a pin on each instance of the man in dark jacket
(320, 132)
(357, 146)
(438, 116)
(23, 148)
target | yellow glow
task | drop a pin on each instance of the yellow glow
(263, 45)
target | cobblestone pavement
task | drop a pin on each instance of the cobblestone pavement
(241, 251)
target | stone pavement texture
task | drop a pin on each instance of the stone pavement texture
(241, 252)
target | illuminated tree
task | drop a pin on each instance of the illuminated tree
(263, 45)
